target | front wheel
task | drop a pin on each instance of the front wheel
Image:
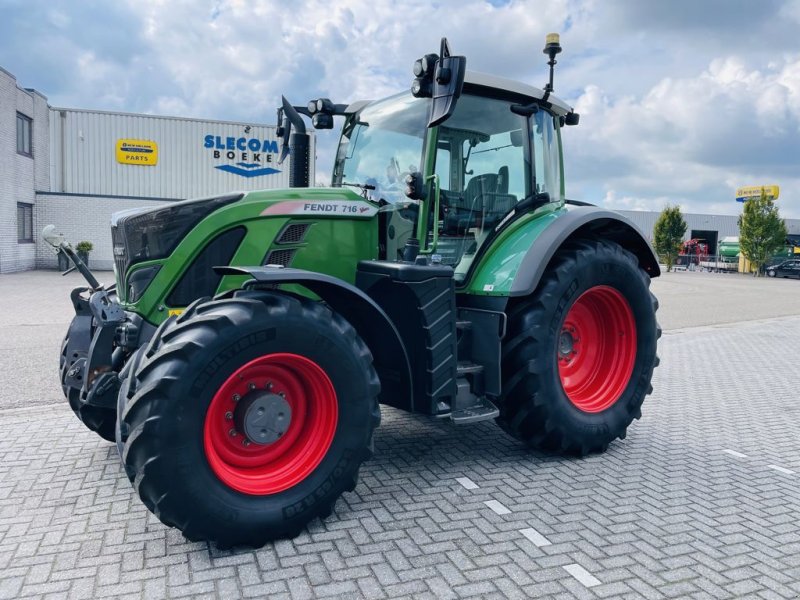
(580, 352)
(250, 417)
(770, 273)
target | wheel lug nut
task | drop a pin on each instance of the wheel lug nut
(282, 394)
(236, 397)
(269, 385)
(229, 416)
(232, 432)
(251, 386)
(245, 443)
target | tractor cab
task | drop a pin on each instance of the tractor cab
(496, 156)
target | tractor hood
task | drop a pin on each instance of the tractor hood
(152, 233)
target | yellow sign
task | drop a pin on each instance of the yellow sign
(751, 192)
(137, 152)
(174, 312)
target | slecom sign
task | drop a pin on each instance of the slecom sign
(246, 157)
(137, 152)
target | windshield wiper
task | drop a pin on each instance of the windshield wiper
(363, 186)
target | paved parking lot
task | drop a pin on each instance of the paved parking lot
(701, 500)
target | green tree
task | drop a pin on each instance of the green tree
(668, 234)
(762, 232)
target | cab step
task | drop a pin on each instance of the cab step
(469, 408)
(483, 410)
(465, 368)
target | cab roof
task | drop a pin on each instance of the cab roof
(516, 87)
(485, 80)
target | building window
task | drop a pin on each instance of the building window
(24, 127)
(24, 222)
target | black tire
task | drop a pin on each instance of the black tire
(770, 273)
(534, 407)
(96, 418)
(187, 361)
(127, 389)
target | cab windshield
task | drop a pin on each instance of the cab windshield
(381, 144)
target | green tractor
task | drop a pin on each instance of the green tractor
(241, 358)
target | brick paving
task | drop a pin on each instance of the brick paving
(666, 513)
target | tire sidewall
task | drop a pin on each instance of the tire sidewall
(182, 437)
(613, 269)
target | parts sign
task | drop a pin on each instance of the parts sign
(137, 152)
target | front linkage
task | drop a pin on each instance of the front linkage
(98, 340)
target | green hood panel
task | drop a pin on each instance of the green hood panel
(342, 230)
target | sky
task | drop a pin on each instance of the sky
(681, 101)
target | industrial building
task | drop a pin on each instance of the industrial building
(710, 228)
(74, 168)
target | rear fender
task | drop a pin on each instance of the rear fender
(581, 222)
(369, 320)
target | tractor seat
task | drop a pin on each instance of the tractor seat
(464, 211)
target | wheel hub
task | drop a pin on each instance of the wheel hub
(566, 344)
(263, 417)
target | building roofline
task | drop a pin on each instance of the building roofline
(29, 91)
(152, 116)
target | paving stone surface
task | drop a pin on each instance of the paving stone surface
(665, 513)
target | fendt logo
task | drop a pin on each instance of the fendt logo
(251, 155)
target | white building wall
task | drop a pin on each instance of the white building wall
(83, 218)
(19, 174)
(84, 156)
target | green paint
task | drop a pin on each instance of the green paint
(495, 273)
(333, 244)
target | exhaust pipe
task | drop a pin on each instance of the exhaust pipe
(298, 145)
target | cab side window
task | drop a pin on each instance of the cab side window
(546, 146)
(484, 170)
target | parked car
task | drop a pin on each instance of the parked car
(788, 268)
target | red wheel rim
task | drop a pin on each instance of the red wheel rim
(597, 349)
(260, 469)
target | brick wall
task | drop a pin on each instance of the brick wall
(82, 218)
(20, 175)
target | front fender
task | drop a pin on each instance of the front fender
(369, 320)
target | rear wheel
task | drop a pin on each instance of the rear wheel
(580, 352)
(250, 417)
(98, 419)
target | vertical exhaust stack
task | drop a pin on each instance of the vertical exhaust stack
(299, 169)
(294, 143)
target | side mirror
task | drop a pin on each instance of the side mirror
(415, 186)
(440, 77)
(49, 235)
(448, 81)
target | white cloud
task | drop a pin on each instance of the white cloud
(692, 140)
